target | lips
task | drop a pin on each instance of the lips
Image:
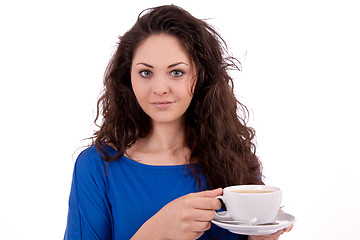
(162, 104)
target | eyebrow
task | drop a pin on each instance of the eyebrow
(170, 66)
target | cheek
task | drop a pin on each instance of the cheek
(187, 93)
(139, 93)
(136, 87)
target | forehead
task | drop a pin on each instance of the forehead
(161, 48)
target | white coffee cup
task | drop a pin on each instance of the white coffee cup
(256, 204)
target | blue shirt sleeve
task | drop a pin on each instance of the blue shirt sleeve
(89, 215)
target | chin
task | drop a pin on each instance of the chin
(168, 120)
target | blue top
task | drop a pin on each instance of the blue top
(113, 200)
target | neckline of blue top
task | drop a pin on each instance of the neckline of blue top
(112, 151)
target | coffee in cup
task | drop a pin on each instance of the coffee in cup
(255, 204)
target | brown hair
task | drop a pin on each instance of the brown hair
(217, 136)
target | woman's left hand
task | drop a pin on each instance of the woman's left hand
(274, 236)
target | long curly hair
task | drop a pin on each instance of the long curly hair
(216, 122)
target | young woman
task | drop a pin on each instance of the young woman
(170, 139)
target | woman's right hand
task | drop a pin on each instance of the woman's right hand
(187, 217)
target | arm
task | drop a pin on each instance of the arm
(89, 210)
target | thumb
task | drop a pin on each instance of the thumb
(211, 193)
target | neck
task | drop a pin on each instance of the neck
(167, 136)
(164, 145)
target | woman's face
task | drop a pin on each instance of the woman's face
(162, 76)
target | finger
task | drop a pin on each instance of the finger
(201, 226)
(204, 215)
(198, 234)
(271, 236)
(209, 193)
(288, 229)
(191, 235)
(206, 203)
(276, 234)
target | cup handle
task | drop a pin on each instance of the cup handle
(221, 216)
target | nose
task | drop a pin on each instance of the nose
(160, 86)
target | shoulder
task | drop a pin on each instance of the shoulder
(89, 164)
(93, 155)
(90, 157)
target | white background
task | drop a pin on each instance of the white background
(299, 80)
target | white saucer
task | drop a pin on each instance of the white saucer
(284, 220)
